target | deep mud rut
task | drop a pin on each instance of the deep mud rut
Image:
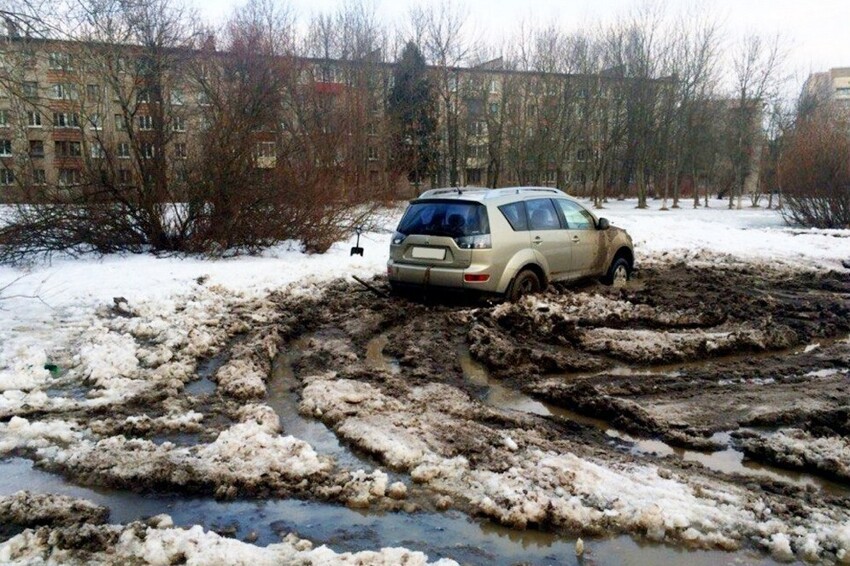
(701, 408)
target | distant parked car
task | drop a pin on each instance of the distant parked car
(511, 241)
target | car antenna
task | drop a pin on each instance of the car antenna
(460, 192)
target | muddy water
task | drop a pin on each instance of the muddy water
(204, 385)
(729, 460)
(282, 397)
(449, 535)
(375, 355)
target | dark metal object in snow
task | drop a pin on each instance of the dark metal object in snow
(370, 287)
(357, 250)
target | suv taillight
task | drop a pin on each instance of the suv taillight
(480, 242)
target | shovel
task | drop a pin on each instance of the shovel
(357, 250)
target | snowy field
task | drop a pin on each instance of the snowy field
(69, 291)
(69, 312)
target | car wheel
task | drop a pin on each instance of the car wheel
(619, 273)
(526, 283)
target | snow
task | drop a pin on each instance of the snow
(752, 234)
(171, 312)
(34, 332)
(160, 545)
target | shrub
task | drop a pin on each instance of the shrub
(814, 172)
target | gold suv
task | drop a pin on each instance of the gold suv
(510, 241)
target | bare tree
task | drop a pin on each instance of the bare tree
(442, 27)
(756, 78)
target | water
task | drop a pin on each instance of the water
(283, 398)
(729, 460)
(375, 355)
(451, 534)
(204, 385)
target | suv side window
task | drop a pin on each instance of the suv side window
(576, 216)
(515, 215)
(542, 214)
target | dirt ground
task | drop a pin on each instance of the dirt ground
(743, 359)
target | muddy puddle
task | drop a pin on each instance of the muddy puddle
(729, 460)
(376, 358)
(283, 398)
(204, 385)
(450, 534)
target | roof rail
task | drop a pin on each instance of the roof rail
(452, 190)
(540, 189)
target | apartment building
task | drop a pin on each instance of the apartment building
(829, 88)
(72, 111)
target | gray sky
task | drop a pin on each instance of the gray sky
(815, 31)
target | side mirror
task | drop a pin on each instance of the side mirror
(603, 224)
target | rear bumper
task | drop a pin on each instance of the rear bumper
(404, 274)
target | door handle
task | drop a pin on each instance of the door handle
(537, 240)
(575, 239)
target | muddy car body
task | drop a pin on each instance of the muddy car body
(507, 241)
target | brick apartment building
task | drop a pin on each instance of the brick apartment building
(71, 109)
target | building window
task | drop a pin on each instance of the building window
(5, 148)
(93, 93)
(581, 155)
(60, 62)
(7, 177)
(95, 123)
(68, 149)
(30, 89)
(147, 150)
(62, 91)
(178, 123)
(123, 150)
(328, 74)
(69, 177)
(34, 119)
(372, 153)
(476, 151)
(65, 120)
(371, 129)
(180, 151)
(177, 97)
(495, 86)
(473, 176)
(478, 128)
(203, 98)
(494, 108)
(97, 151)
(4, 118)
(36, 148)
(145, 122)
(452, 84)
(39, 177)
(120, 124)
(265, 154)
(124, 177)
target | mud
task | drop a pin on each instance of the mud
(678, 356)
(563, 413)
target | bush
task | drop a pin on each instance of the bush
(814, 172)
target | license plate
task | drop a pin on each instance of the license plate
(429, 253)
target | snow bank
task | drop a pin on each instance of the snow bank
(29, 509)
(799, 449)
(534, 486)
(162, 545)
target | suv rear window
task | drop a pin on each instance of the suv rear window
(445, 218)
